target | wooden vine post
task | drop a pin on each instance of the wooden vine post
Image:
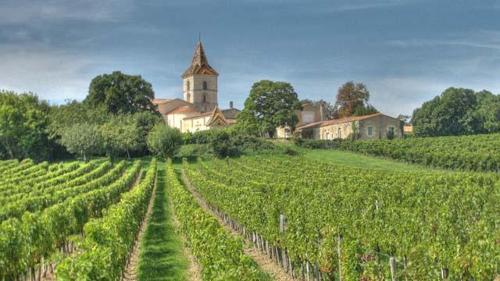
(339, 251)
(392, 264)
(444, 273)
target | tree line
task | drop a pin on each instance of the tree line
(118, 118)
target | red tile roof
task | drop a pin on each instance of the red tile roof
(338, 121)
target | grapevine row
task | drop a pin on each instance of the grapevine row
(219, 254)
(108, 240)
(27, 243)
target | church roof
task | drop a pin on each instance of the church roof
(199, 65)
(217, 118)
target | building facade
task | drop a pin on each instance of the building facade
(311, 112)
(373, 126)
(199, 109)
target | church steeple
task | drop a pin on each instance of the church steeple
(200, 81)
(199, 64)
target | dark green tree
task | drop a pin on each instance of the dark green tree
(121, 93)
(269, 105)
(458, 111)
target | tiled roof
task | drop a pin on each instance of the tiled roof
(230, 113)
(160, 101)
(183, 109)
(199, 65)
(338, 121)
(199, 115)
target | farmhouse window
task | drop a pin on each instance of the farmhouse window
(370, 131)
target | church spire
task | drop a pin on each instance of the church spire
(199, 64)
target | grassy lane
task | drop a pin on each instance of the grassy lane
(161, 250)
(361, 161)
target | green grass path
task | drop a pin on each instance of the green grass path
(162, 255)
(361, 161)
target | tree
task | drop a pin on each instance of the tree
(164, 141)
(23, 126)
(83, 139)
(352, 99)
(448, 114)
(120, 135)
(121, 93)
(269, 105)
(405, 118)
(488, 111)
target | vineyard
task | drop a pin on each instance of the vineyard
(337, 223)
(305, 219)
(475, 153)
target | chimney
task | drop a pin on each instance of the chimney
(231, 105)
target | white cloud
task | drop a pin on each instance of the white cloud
(28, 11)
(485, 39)
(53, 75)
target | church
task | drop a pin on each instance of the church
(199, 109)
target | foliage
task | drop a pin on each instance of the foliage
(82, 139)
(109, 239)
(120, 134)
(219, 254)
(477, 152)
(164, 141)
(121, 93)
(23, 127)
(222, 145)
(352, 99)
(269, 105)
(428, 221)
(458, 111)
(87, 131)
(61, 202)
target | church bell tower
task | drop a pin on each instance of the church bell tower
(200, 82)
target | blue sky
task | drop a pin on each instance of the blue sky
(405, 51)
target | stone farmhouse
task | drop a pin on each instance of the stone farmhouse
(199, 109)
(373, 126)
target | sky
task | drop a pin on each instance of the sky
(404, 51)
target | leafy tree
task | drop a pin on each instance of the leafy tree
(488, 111)
(352, 99)
(121, 93)
(164, 141)
(405, 118)
(62, 116)
(458, 111)
(120, 135)
(83, 139)
(269, 105)
(23, 126)
(145, 121)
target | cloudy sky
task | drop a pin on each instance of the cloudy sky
(405, 51)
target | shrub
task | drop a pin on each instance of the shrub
(164, 141)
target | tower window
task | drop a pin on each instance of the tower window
(204, 97)
(188, 86)
(205, 85)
